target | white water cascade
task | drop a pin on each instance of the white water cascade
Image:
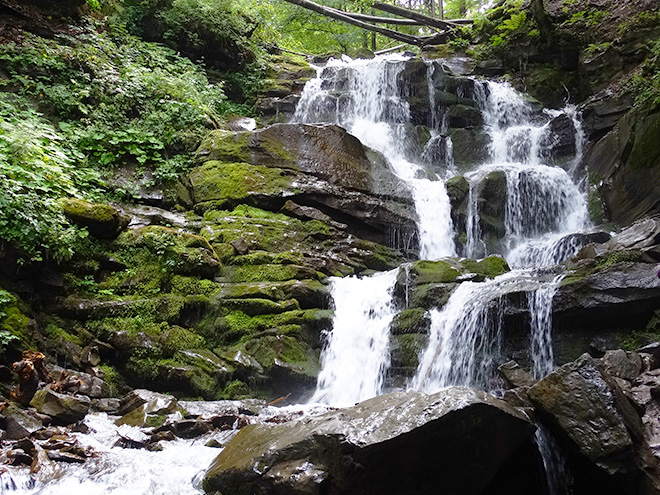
(357, 351)
(363, 97)
(543, 204)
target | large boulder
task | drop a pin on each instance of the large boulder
(325, 151)
(101, 220)
(405, 442)
(65, 409)
(587, 406)
(319, 166)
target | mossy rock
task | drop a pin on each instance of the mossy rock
(284, 352)
(232, 326)
(101, 220)
(413, 320)
(256, 306)
(177, 338)
(429, 272)
(470, 147)
(13, 321)
(489, 267)
(308, 293)
(208, 362)
(405, 349)
(218, 184)
(430, 295)
(259, 230)
(458, 188)
(183, 253)
(267, 273)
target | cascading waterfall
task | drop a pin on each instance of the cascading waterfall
(465, 336)
(357, 352)
(543, 204)
(369, 107)
(363, 97)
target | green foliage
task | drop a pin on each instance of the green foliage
(645, 84)
(37, 167)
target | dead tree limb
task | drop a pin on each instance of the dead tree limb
(410, 14)
(341, 16)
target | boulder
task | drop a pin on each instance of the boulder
(63, 408)
(158, 403)
(101, 220)
(621, 364)
(91, 386)
(590, 408)
(325, 151)
(18, 423)
(515, 376)
(366, 449)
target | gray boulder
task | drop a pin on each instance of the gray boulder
(369, 448)
(590, 408)
(63, 408)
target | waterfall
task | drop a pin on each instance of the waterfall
(465, 336)
(363, 97)
(357, 351)
(540, 312)
(541, 206)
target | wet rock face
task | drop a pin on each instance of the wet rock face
(626, 162)
(591, 409)
(397, 443)
(618, 295)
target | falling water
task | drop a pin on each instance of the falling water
(540, 312)
(357, 351)
(465, 335)
(543, 204)
(363, 97)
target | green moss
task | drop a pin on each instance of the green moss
(177, 338)
(257, 306)
(54, 332)
(236, 389)
(270, 273)
(225, 146)
(407, 348)
(273, 350)
(618, 257)
(236, 324)
(79, 208)
(186, 286)
(264, 257)
(222, 183)
(13, 322)
(425, 272)
(410, 321)
(489, 267)
(112, 377)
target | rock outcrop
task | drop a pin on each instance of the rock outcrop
(369, 449)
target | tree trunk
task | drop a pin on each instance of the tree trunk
(341, 16)
(424, 19)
